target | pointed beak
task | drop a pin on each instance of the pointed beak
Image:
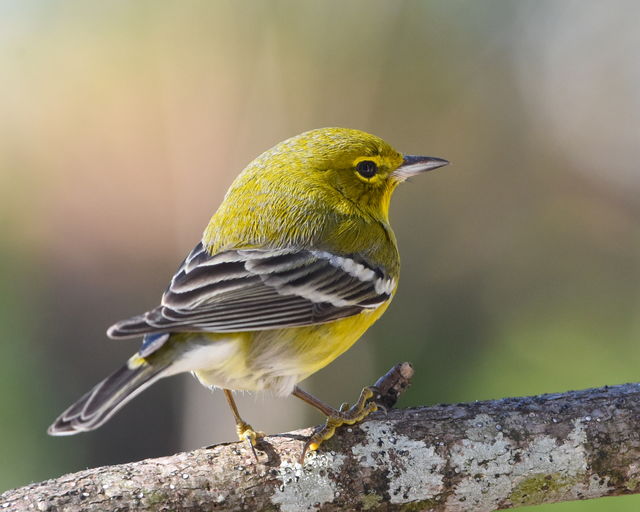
(413, 165)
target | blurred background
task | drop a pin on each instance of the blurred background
(123, 123)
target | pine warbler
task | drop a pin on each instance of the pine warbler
(296, 264)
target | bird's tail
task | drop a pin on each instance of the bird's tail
(107, 397)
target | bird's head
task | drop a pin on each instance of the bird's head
(363, 169)
(310, 189)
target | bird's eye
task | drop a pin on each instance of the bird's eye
(367, 168)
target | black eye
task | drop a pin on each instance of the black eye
(367, 168)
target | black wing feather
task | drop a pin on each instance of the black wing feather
(253, 289)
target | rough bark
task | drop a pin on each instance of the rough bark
(479, 456)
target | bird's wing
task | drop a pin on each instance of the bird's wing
(252, 289)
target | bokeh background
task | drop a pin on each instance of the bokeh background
(123, 123)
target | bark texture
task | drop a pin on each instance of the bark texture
(479, 456)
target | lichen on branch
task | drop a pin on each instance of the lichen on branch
(478, 456)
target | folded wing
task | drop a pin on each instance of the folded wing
(252, 289)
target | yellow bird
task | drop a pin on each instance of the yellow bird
(296, 264)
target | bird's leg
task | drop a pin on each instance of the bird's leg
(244, 430)
(347, 415)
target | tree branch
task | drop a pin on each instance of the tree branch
(480, 456)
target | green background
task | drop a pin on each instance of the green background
(123, 123)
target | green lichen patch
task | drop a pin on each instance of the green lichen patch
(539, 488)
(420, 506)
(154, 498)
(632, 484)
(370, 500)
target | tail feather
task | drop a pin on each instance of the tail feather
(105, 399)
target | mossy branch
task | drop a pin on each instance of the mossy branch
(479, 456)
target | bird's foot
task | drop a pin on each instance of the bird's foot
(347, 415)
(246, 433)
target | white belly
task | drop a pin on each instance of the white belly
(228, 361)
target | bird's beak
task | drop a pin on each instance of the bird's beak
(412, 165)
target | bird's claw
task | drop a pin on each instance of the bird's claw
(345, 416)
(246, 433)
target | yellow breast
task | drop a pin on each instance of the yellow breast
(280, 358)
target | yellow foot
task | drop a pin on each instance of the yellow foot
(345, 416)
(246, 433)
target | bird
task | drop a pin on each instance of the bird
(296, 264)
